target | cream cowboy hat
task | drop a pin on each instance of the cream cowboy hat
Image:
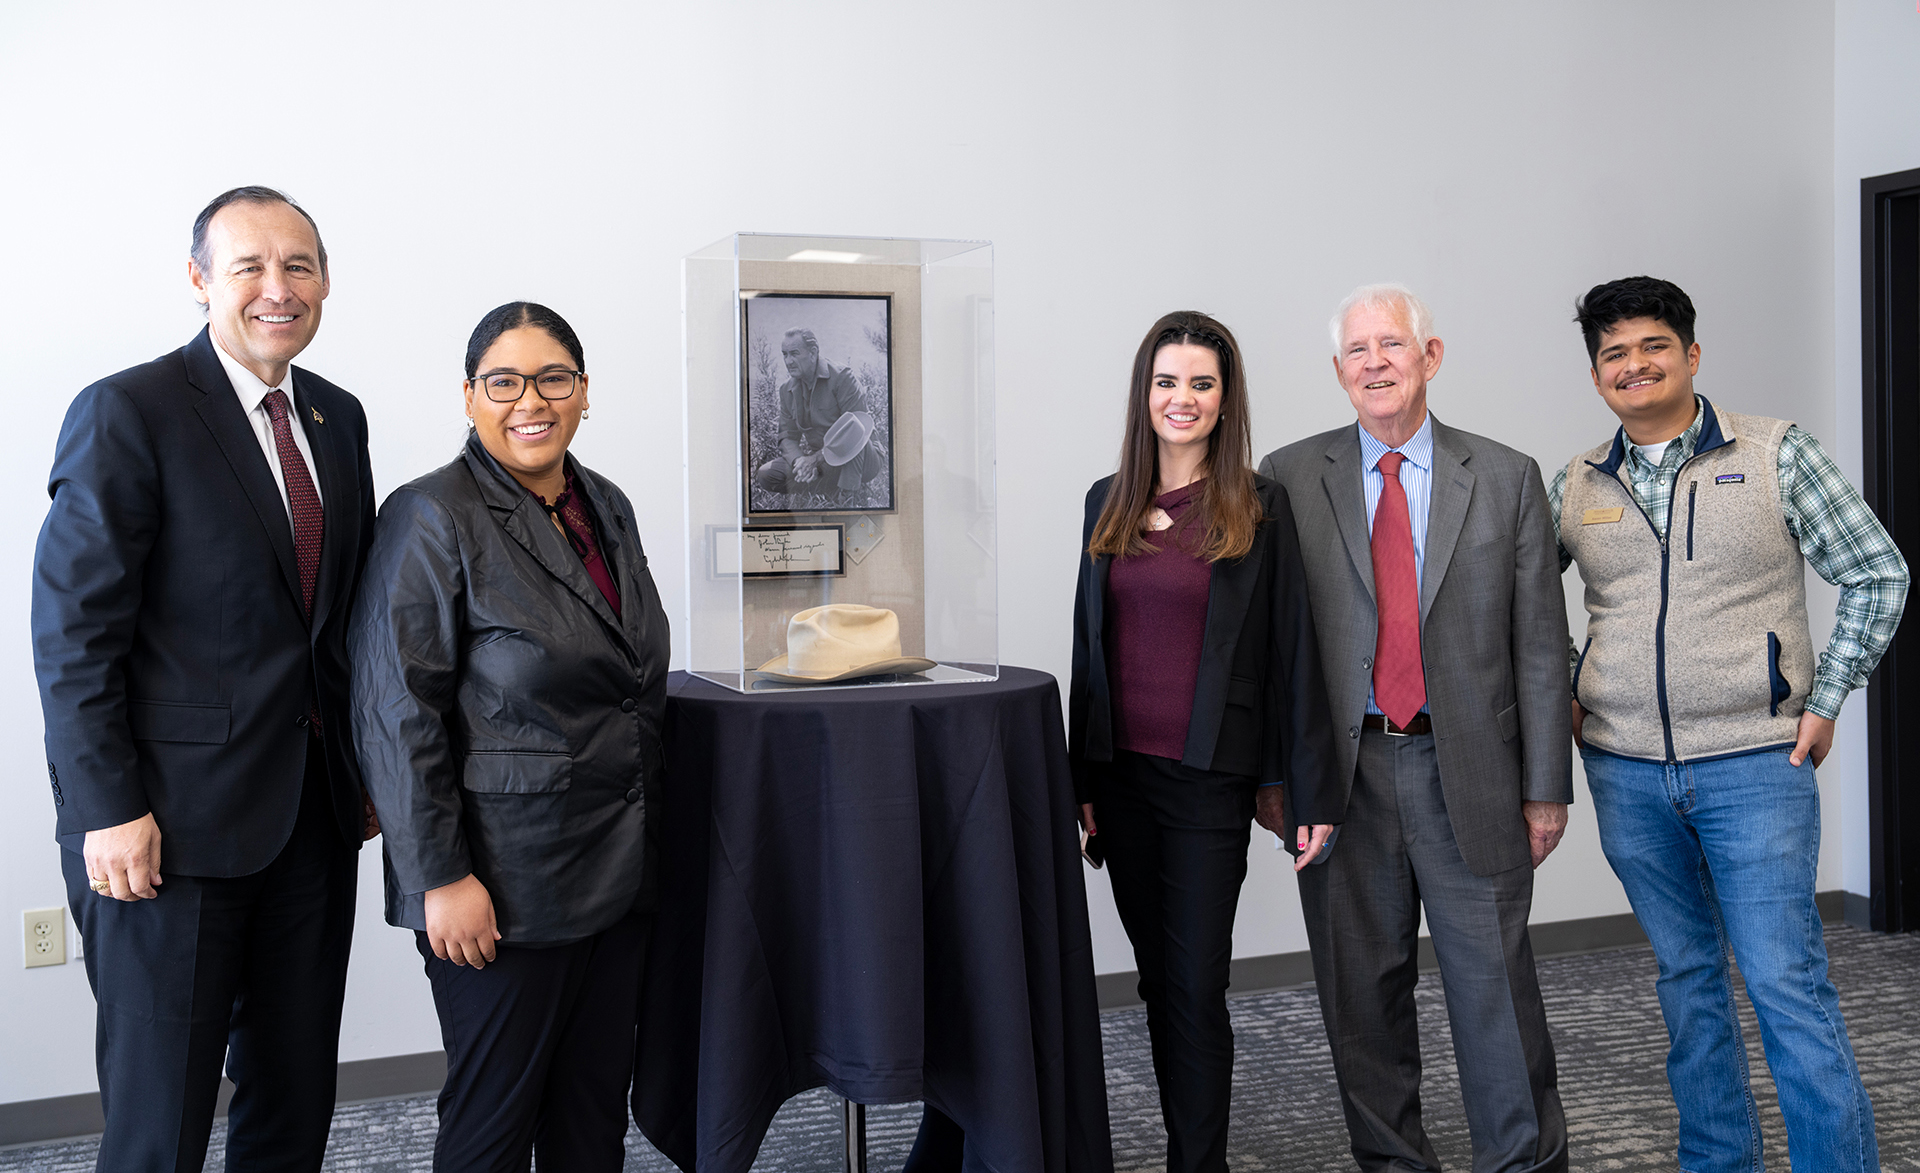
(847, 438)
(841, 641)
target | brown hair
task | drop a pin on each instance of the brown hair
(1228, 508)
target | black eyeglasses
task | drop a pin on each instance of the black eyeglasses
(511, 386)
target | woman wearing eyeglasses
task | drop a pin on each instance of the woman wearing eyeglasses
(1196, 681)
(509, 661)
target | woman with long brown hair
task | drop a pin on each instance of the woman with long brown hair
(1196, 680)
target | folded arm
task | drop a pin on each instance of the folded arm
(790, 435)
(1847, 546)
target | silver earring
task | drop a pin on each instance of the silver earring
(583, 415)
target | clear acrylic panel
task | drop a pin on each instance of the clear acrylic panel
(840, 449)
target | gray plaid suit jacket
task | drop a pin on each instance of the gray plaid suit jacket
(1493, 625)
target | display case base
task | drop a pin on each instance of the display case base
(938, 674)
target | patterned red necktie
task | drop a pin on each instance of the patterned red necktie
(304, 504)
(302, 501)
(1399, 686)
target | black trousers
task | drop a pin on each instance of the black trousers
(250, 970)
(1176, 846)
(539, 1053)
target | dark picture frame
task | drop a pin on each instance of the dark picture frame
(853, 355)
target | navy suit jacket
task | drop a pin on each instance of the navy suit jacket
(176, 667)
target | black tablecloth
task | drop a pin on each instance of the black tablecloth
(878, 890)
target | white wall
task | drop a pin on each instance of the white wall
(1876, 73)
(1255, 160)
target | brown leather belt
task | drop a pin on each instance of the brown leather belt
(1421, 723)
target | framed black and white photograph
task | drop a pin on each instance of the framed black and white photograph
(818, 402)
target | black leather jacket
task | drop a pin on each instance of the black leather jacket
(507, 724)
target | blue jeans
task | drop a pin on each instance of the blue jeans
(1720, 855)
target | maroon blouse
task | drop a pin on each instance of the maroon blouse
(570, 509)
(1156, 627)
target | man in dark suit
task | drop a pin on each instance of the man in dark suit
(1435, 586)
(211, 510)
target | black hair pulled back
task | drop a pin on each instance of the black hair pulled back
(514, 315)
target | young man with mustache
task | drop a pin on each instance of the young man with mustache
(1701, 713)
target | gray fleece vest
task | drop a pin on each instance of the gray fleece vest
(1697, 646)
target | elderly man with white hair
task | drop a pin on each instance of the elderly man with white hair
(1436, 595)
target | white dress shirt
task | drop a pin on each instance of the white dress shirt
(253, 395)
(1416, 478)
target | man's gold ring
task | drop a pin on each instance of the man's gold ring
(102, 886)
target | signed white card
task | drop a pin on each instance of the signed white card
(779, 551)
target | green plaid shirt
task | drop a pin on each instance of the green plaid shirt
(1839, 537)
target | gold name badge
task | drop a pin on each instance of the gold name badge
(1602, 516)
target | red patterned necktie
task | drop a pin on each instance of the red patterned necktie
(1399, 687)
(302, 501)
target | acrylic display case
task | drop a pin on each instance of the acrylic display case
(840, 449)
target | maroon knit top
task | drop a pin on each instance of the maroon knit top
(1156, 627)
(576, 523)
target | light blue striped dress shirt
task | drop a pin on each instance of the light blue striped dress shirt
(1416, 477)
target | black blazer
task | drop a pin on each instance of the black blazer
(1259, 705)
(176, 666)
(509, 724)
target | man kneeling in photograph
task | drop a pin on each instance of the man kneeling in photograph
(824, 427)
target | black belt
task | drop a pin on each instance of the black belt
(1421, 723)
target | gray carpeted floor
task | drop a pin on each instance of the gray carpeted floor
(1607, 1028)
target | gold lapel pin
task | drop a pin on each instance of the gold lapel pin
(317, 417)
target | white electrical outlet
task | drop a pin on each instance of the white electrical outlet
(46, 936)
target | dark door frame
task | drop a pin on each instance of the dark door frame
(1890, 425)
